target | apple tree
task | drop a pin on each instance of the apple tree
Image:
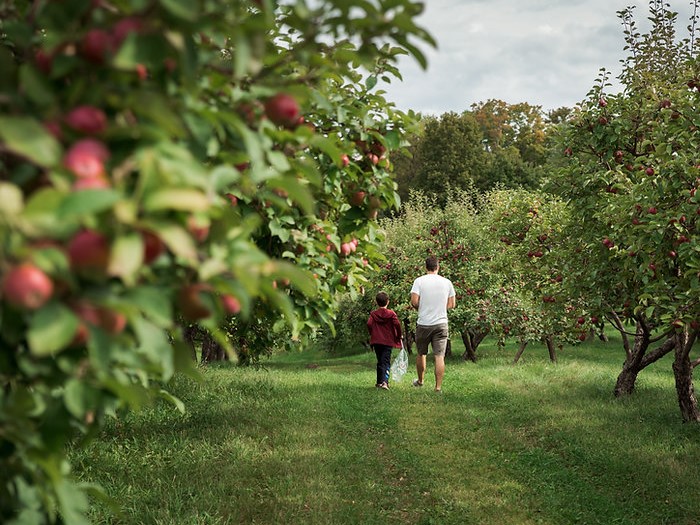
(168, 163)
(528, 299)
(631, 176)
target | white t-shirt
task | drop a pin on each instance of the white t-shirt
(433, 290)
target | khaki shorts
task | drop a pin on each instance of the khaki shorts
(435, 336)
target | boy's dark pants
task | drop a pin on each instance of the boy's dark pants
(383, 362)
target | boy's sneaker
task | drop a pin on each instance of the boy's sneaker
(384, 385)
(416, 383)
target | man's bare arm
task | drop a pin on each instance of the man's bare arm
(415, 300)
(451, 302)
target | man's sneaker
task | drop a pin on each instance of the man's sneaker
(416, 383)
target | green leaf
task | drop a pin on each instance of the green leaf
(41, 210)
(183, 9)
(51, 329)
(278, 230)
(26, 137)
(157, 109)
(126, 257)
(298, 192)
(175, 401)
(72, 503)
(87, 202)
(371, 82)
(79, 397)
(300, 279)
(179, 242)
(36, 86)
(153, 303)
(184, 199)
(11, 200)
(155, 346)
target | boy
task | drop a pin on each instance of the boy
(384, 334)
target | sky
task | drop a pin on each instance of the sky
(543, 52)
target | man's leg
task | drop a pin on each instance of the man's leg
(420, 367)
(439, 371)
(422, 342)
(439, 344)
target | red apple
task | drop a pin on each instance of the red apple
(87, 119)
(582, 336)
(581, 320)
(358, 198)
(141, 71)
(345, 159)
(232, 198)
(649, 171)
(231, 305)
(91, 314)
(283, 110)
(124, 27)
(96, 46)
(86, 159)
(27, 287)
(111, 321)
(91, 183)
(198, 228)
(346, 249)
(153, 246)
(54, 128)
(602, 102)
(43, 61)
(89, 252)
(190, 304)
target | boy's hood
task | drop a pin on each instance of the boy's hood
(382, 315)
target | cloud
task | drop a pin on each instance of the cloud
(545, 52)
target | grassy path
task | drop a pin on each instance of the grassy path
(310, 440)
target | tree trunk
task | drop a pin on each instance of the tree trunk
(627, 378)
(471, 339)
(683, 374)
(637, 359)
(188, 334)
(469, 350)
(212, 350)
(409, 336)
(550, 348)
(448, 350)
(523, 344)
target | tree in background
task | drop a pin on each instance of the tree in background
(169, 163)
(450, 155)
(494, 144)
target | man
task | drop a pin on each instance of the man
(432, 295)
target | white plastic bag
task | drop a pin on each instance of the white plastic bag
(400, 365)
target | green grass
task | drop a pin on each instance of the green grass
(309, 440)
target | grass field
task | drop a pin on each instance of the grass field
(307, 439)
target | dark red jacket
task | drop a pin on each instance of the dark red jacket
(384, 328)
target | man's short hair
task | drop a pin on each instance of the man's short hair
(382, 299)
(431, 263)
